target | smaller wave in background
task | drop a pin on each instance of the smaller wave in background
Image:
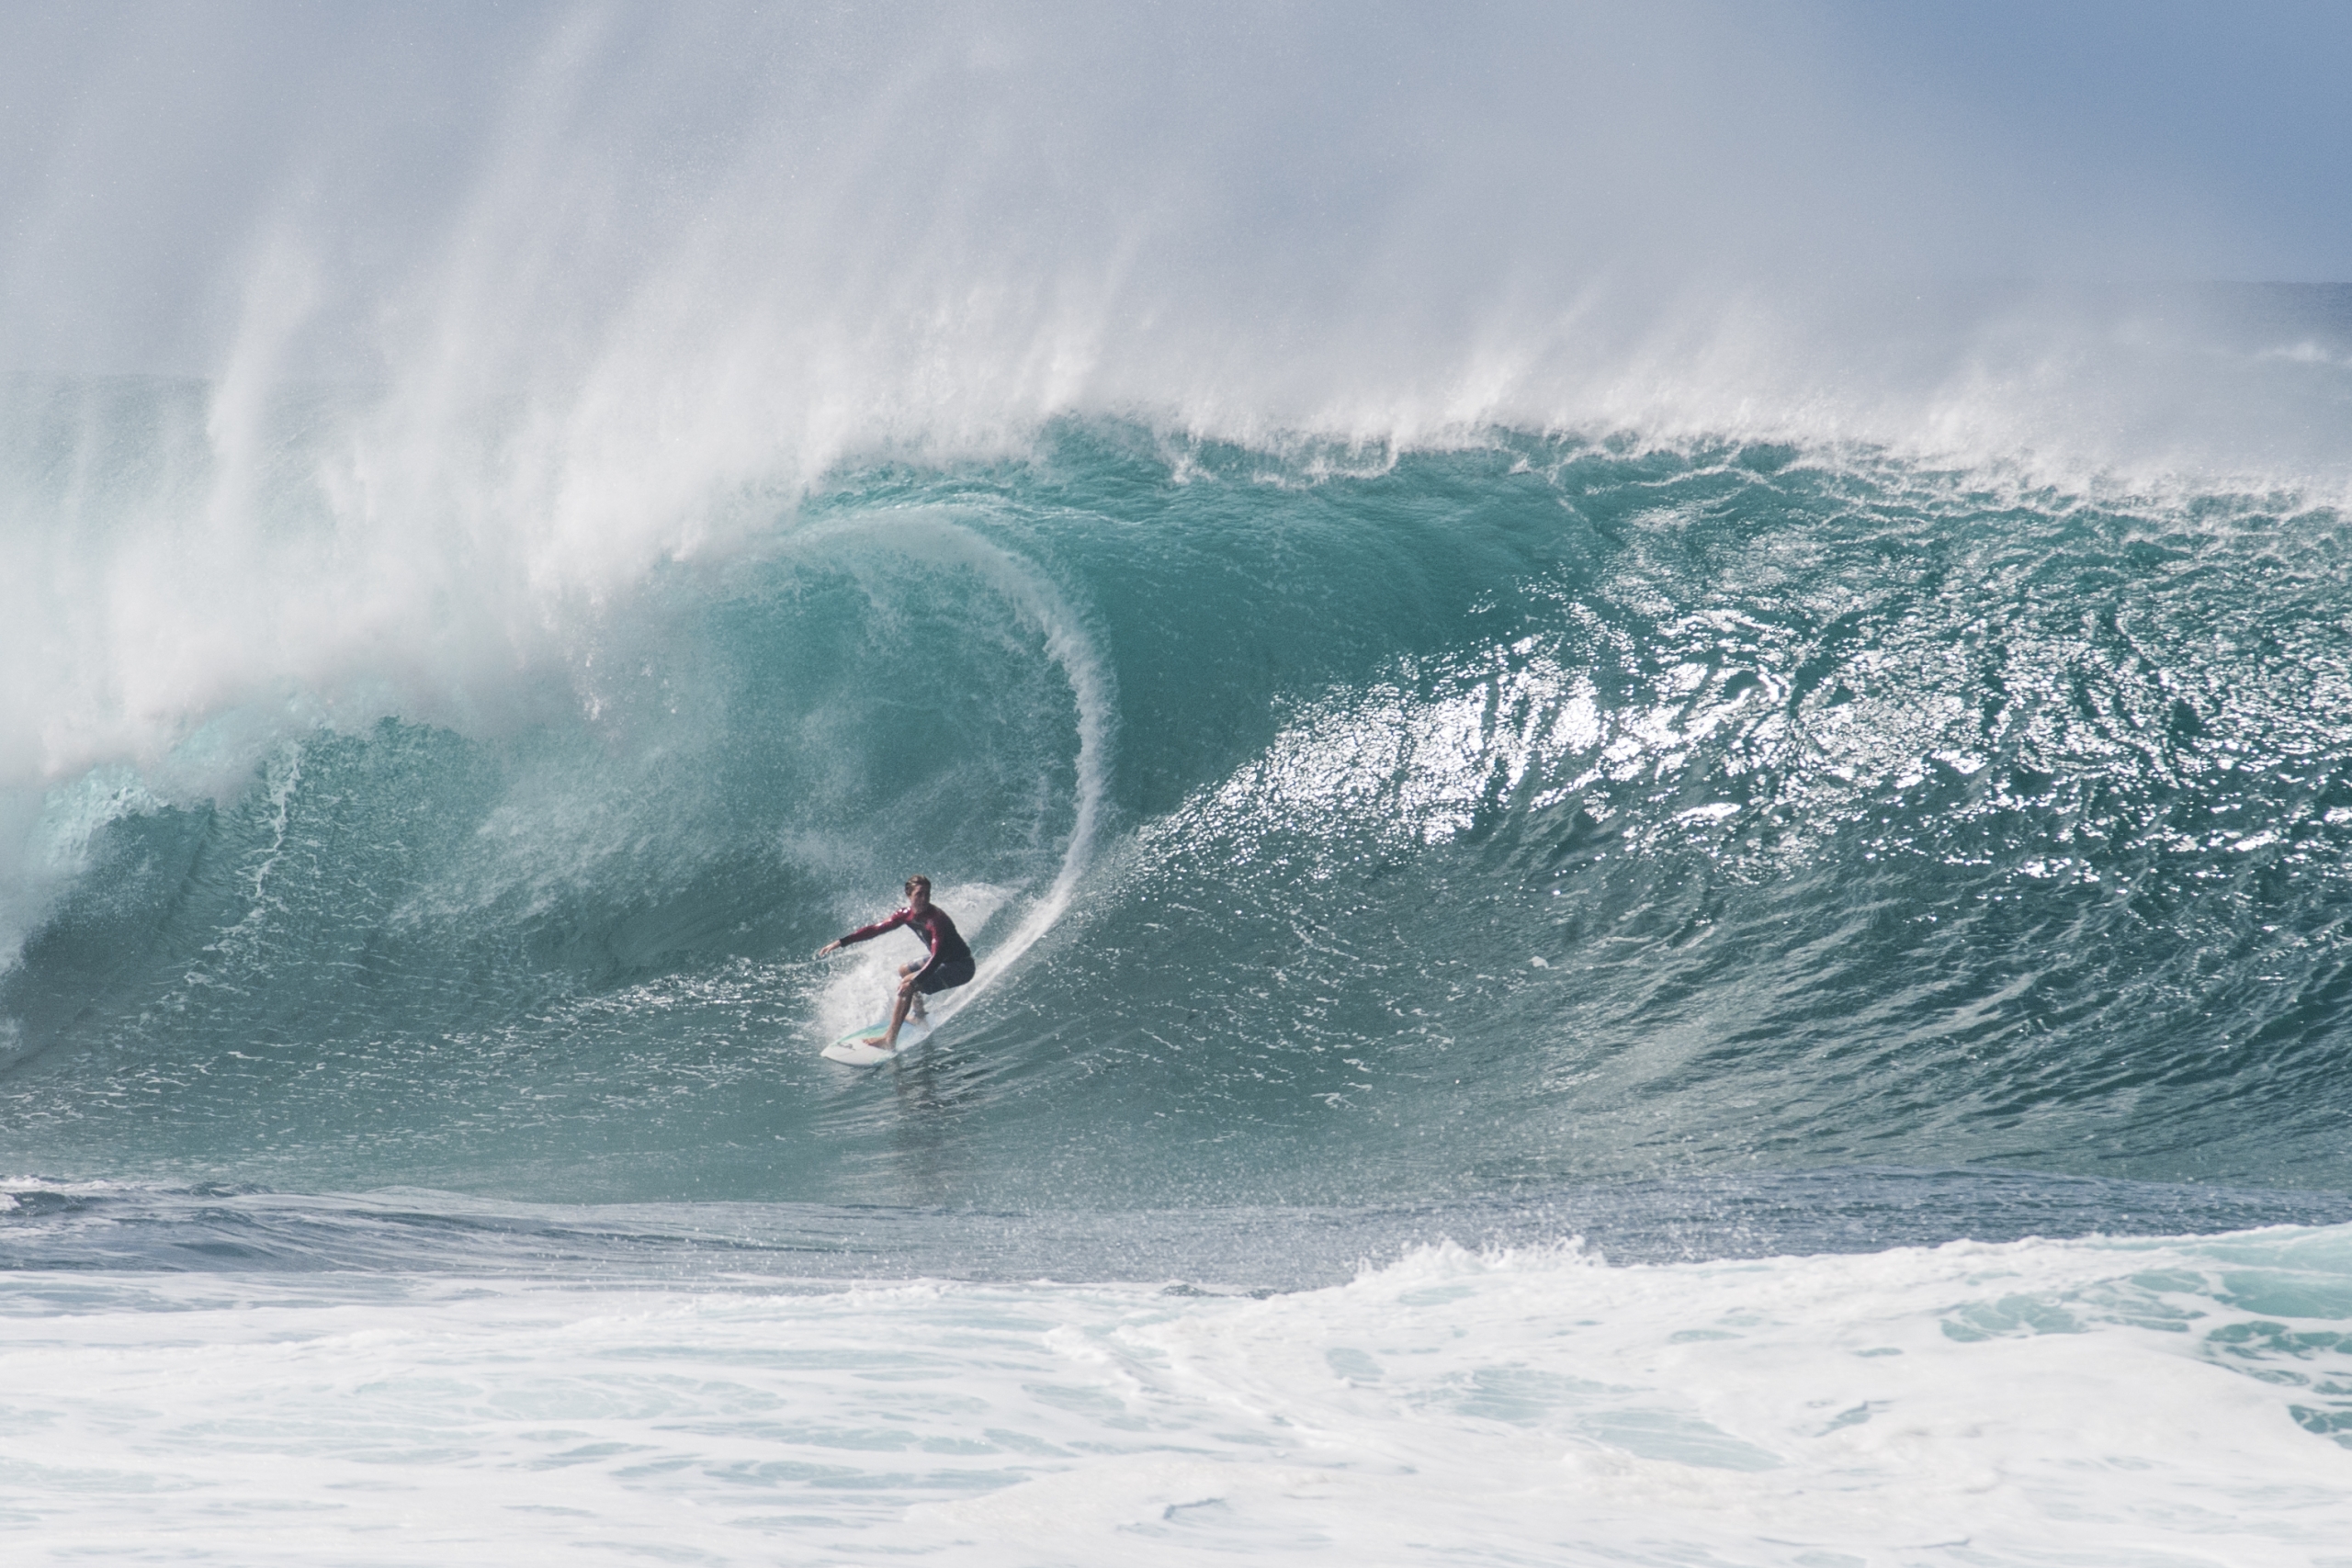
(79, 1228)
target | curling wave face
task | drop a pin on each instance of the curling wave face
(1343, 822)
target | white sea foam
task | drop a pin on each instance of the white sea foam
(2091, 1402)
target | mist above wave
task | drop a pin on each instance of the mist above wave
(476, 320)
(661, 253)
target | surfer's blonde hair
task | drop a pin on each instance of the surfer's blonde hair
(917, 881)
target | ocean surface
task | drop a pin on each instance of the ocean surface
(1547, 996)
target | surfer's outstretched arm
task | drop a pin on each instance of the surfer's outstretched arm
(865, 933)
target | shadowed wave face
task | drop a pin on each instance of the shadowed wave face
(1350, 824)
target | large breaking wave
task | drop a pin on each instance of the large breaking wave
(1337, 824)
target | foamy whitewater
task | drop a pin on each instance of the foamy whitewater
(1639, 901)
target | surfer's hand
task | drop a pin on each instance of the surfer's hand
(828, 949)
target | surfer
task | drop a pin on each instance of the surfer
(950, 963)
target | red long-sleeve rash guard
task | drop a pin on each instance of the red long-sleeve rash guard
(937, 931)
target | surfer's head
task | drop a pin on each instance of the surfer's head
(917, 891)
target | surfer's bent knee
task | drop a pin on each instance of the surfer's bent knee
(947, 976)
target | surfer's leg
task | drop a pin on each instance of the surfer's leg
(920, 986)
(895, 997)
(897, 1017)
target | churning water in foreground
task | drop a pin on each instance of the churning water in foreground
(565, 1387)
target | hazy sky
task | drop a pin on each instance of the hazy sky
(1273, 165)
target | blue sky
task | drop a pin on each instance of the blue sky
(2237, 114)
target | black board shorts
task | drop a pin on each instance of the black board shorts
(954, 972)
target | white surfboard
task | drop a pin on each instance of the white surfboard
(863, 1048)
